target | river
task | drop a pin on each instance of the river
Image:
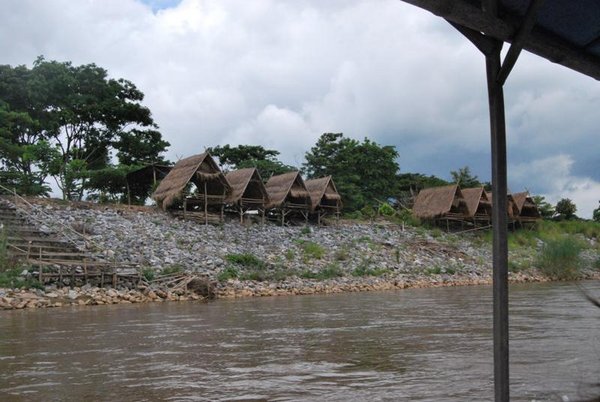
(414, 344)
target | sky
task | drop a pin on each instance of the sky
(281, 73)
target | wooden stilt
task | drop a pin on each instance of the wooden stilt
(205, 205)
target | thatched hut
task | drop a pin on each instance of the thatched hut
(511, 205)
(247, 192)
(288, 196)
(445, 203)
(211, 188)
(140, 182)
(478, 205)
(325, 198)
(528, 210)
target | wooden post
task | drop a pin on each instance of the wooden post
(205, 205)
(499, 225)
(184, 207)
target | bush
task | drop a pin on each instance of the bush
(11, 278)
(386, 209)
(171, 269)
(246, 260)
(312, 250)
(148, 274)
(559, 258)
(330, 271)
(365, 270)
(228, 273)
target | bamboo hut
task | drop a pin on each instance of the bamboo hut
(207, 199)
(479, 206)
(439, 204)
(143, 180)
(324, 196)
(528, 210)
(247, 192)
(288, 196)
(512, 210)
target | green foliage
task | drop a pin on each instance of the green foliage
(11, 278)
(437, 270)
(596, 214)
(246, 156)
(560, 258)
(148, 274)
(330, 271)
(289, 254)
(546, 209)
(464, 178)
(341, 254)
(172, 269)
(305, 230)
(63, 121)
(364, 269)
(386, 209)
(245, 260)
(406, 217)
(228, 273)
(312, 250)
(565, 208)
(364, 171)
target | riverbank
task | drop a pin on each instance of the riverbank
(269, 260)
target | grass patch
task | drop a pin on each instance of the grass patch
(559, 258)
(364, 270)
(330, 271)
(289, 254)
(341, 254)
(436, 233)
(11, 278)
(172, 269)
(437, 270)
(148, 274)
(228, 273)
(245, 260)
(312, 250)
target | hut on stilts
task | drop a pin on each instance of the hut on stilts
(527, 208)
(204, 203)
(143, 180)
(288, 196)
(441, 204)
(479, 206)
(248, 193)
(325, 198)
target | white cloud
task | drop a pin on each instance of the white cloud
(280, 74)
(553, 174)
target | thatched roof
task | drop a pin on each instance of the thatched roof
(525, 204)
(244, 180)
(473, 197)
(147, 173)
(435, 202)
(288, 184)
(197, 168)
(322, 189)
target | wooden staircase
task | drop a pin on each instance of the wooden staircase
(54, 256)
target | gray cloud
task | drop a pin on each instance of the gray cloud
(281, 73)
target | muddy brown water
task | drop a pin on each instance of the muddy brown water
(416, 344)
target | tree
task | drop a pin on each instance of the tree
(565, 208)
(245, 156)
(364, 172)
(464, 178)
(596, 215)
(80, 114)
(546, 209)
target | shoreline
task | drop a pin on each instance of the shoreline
(17, 299)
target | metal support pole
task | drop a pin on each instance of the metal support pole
(500, 226)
